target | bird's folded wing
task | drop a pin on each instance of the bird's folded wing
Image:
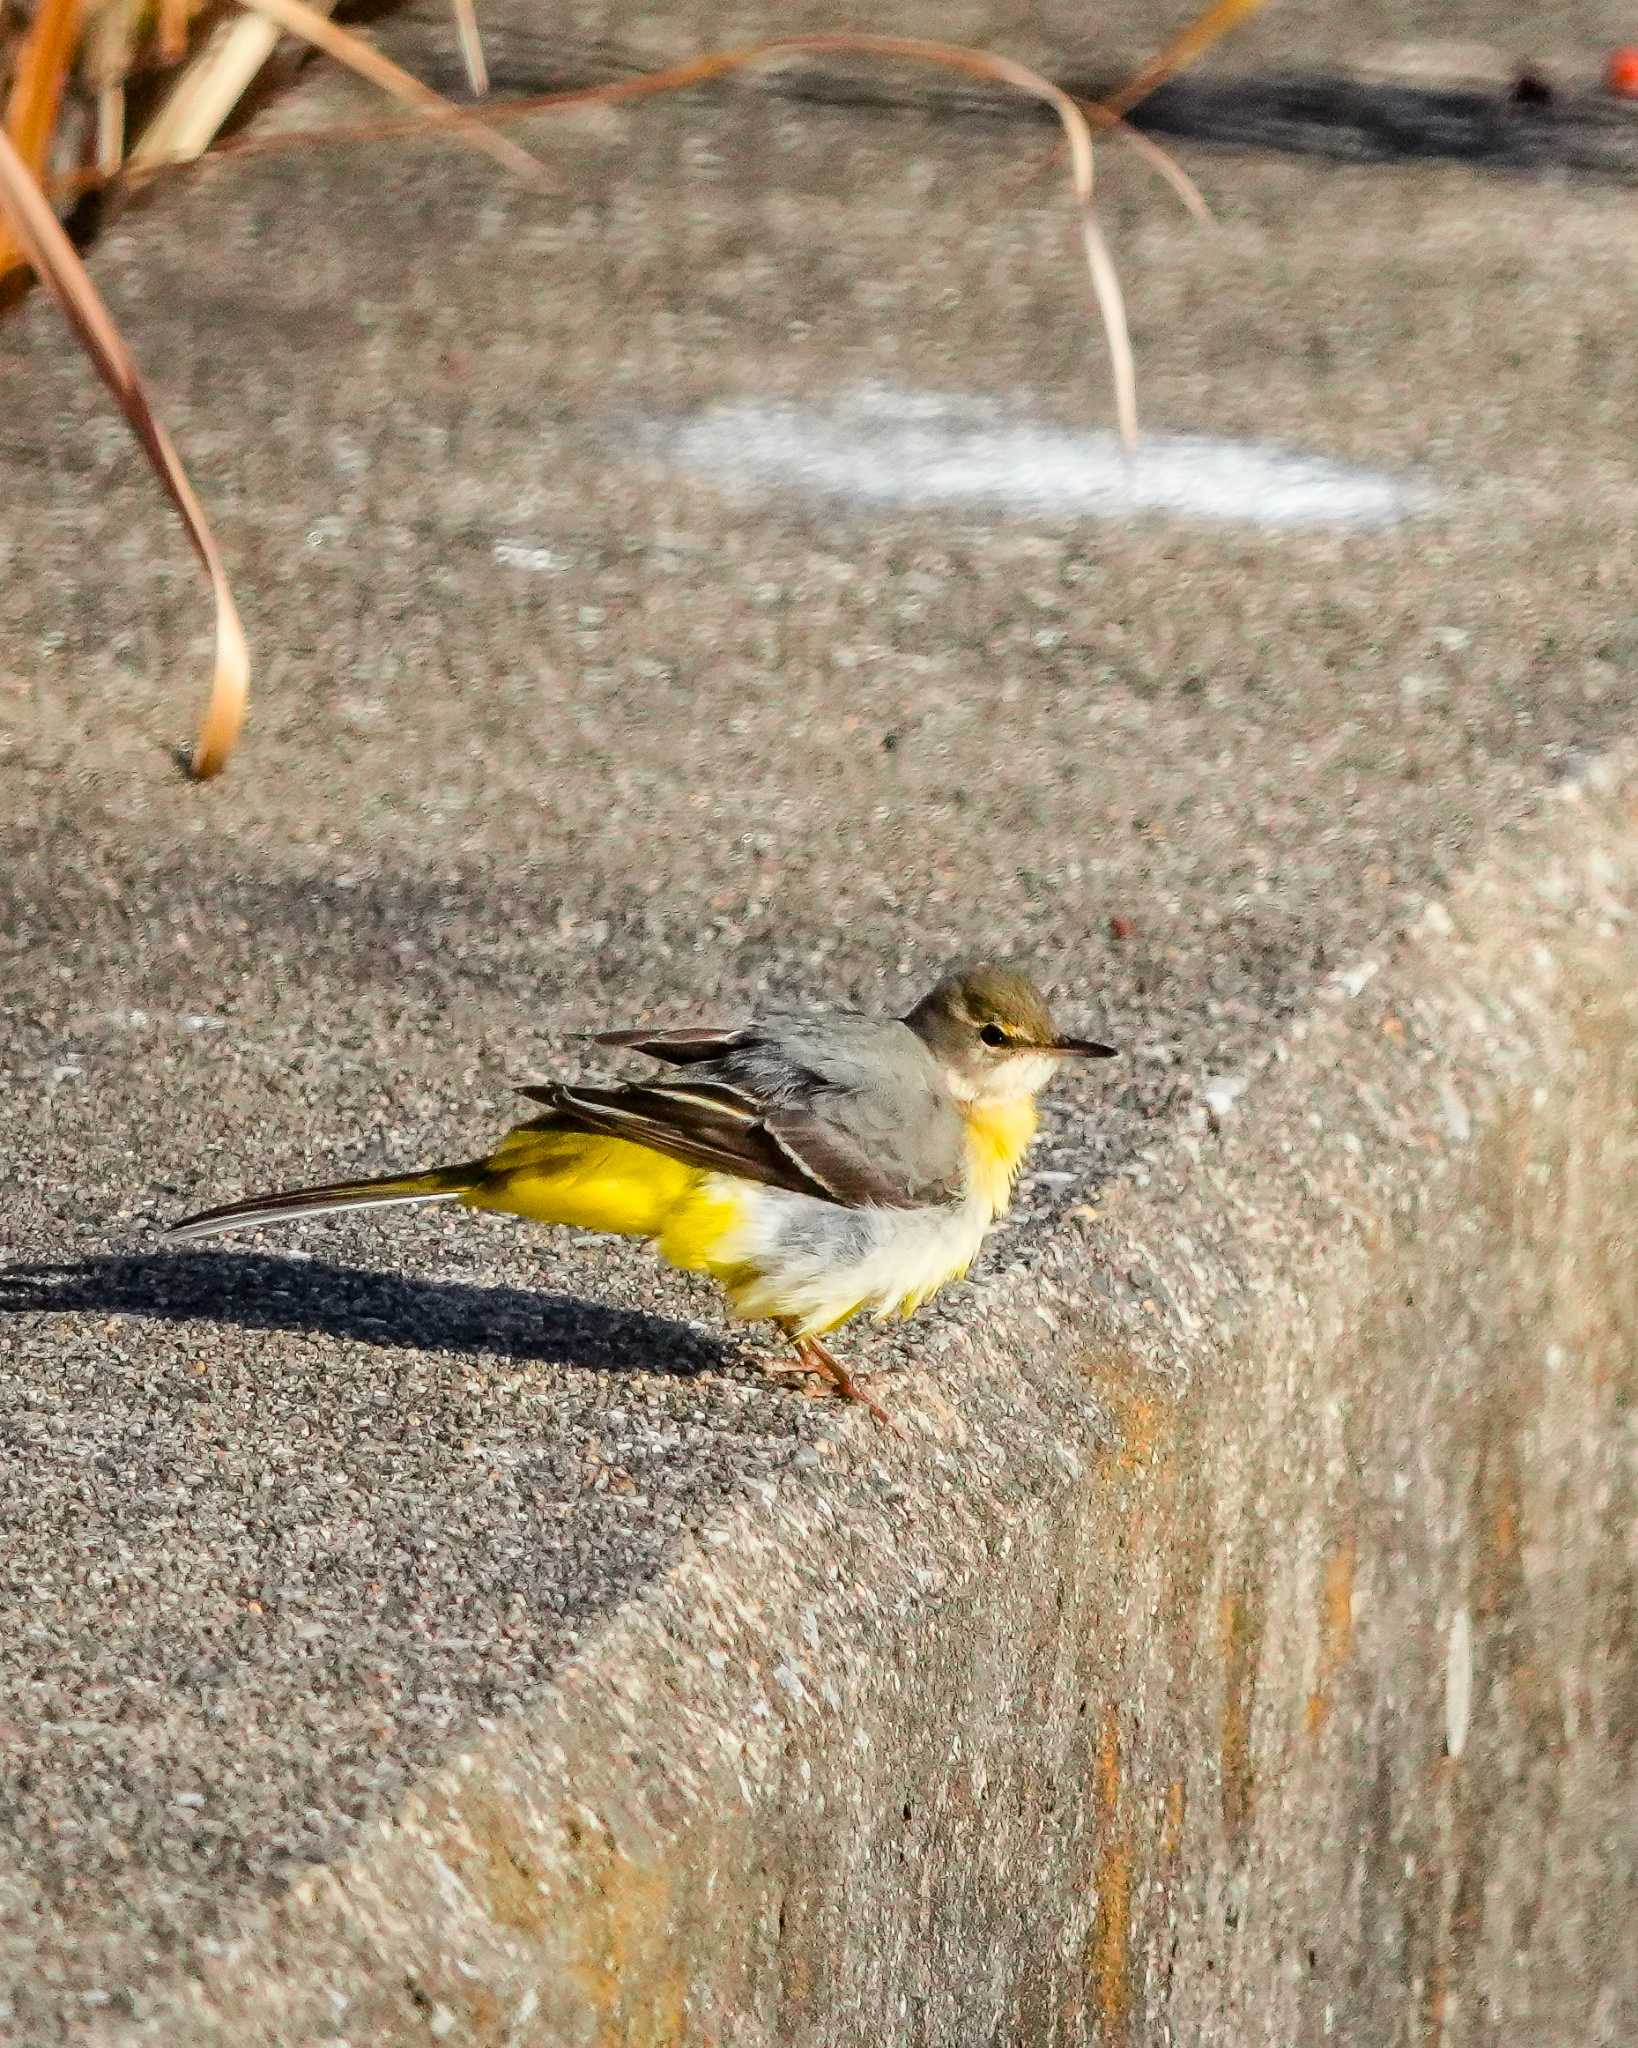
(726, 1129)
(683, 1047)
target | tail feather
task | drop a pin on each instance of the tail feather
(441, 1184)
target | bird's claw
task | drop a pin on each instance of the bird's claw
(816, 1361)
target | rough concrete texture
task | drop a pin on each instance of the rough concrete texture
(423, 1630)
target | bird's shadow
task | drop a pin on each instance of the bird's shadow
(258, 1291)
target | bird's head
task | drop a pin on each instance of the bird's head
(992, 1033)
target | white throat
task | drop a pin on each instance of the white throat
(1011, 1080)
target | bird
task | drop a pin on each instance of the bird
(815, 1166)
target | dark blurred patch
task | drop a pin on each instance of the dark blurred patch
(1372, 121)
(257, 1291)
(1532, 89)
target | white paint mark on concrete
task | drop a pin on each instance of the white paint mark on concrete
(1458, 1120)
(1355, 980)
(880, 447)
(537, 561)
(1458, 1682)
(1221, 1093)
(351, 459)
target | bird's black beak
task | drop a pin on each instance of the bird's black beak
(1083, 1048)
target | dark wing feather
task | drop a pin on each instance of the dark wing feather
(680, 1048)
(837, 1160)
(707, 1127)
(725, 1129)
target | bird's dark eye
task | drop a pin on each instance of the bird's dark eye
(992, 1034)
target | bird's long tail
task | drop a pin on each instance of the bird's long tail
(440, 1184)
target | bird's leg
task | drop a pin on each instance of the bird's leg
(818, 1359)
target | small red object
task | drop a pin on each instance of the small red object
(1621, 73)
(1121, 928)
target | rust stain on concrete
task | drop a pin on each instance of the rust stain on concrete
(485, 2018)
(499, 1867)
(1336, 1631)
(1109, 1959)
(1498, 1579)
(1176, 1813)
(630, 1976)
(1512, 1661)
(1240, 1641)
(1111, 1938)
(1141, 1429)
(1143, 1425)
(1435, 1999)
(1108, 1766)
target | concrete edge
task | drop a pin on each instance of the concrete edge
(581, 1874)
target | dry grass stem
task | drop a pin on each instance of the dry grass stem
(206, 94)
(172, 33)
(466, 34)
(48, 249)
(1161, 161)
(43, 65)
(1188, 44)
(298, 18)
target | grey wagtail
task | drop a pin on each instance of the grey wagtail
(815, 1167)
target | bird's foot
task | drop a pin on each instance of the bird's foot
(811, 1380)
(817, 1361)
